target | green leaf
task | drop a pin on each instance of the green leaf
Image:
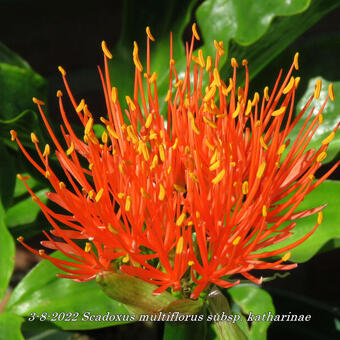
(330, 114)
(41, 291)
(18, 86)
(10, 325)
(255, 35)
(9, 57)
(328, 192)
(7, 253)
(253, 301)
(26, 211)
(7, 177)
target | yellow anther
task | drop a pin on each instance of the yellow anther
(161, 152)
(62, 71)
(148, 121)
(174, 146)
(194, 31)
(34, 138)
(215, 165)
(169, 170)
(114, 95)
(121, 195)
(312, 177)
(20, 238)
(131, 133)
(217, 78)
(70, 149)
(234, 62)
(179, 188)
(153, 78)
(219, 48)
(317, 89)
(130, 103)
(237, 241)
(209, 122)
(137, 63)
(257, 123)
(286, 256)
(121, 168)
(47, 174)
(265, 93)
(248, 109)
(126, 258)
(37, 101)
(88, 247)
(321, 156)
(190, 263)
(328, 139)
(178, 83)
(168, 95)
(237, 111)
(104, 137)
(59, 94)
(91, 166)
(214, 157)
(106, 50)
(219, 177)
(179, 247)
(279, 112)
(193, 125)
(87, 112)
(244, 62)
(111, 131)
(81, 105)
(161, 194)
(180, 219)
(99, 195)
(245, 187)
(13, 135)
(296, 60)
(208, 64)
(197, 214)
(152, 135)
(154, 162)
(196, 60)
(281, 150)
(264, 145)
(261, 170)
(201, 58)
(320, 118)
(297, 81)
(111, 229)
(264, 211)
(210, 94)
(41, 252)
(172, 62)
(320, 217)
(91, 194)
(144, 193)
(148, 33)
(23, 178)
(289, 85)
(62, 185)
(145, 151)
(193, 177)
(255, 99)
(88, 126)
(128, 203)
(331, 92)
(209, 145)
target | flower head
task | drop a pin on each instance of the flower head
(196, 197)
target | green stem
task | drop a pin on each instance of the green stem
(226, 330)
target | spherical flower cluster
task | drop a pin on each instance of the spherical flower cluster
(195, 194)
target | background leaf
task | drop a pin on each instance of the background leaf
(41, 291)
(10, 327)
(328, 192)
(251, 298)
(7, 252)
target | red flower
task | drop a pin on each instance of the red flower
(196, 198)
